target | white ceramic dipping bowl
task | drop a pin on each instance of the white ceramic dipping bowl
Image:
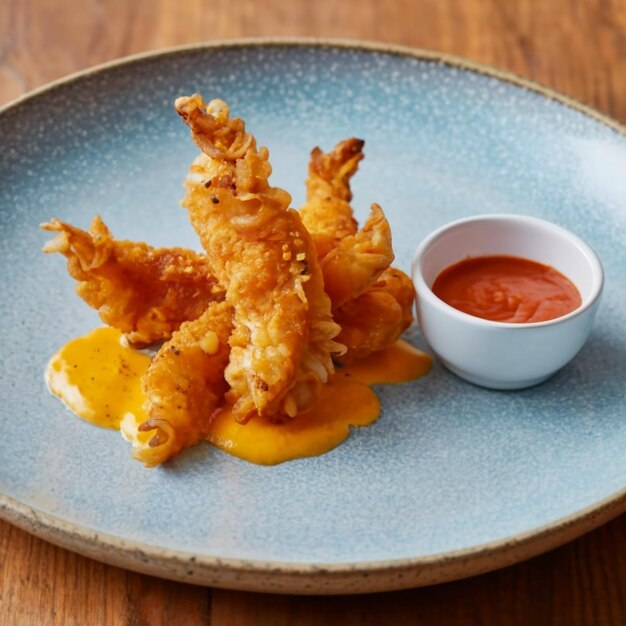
(502, 355)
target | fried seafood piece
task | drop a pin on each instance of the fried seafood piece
(145, 292)
(350, 260)
(376, 319)
(358, 260)
(184, 384)
(260, 251)
(327, 213)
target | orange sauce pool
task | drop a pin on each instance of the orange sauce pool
(507, 289)
(99, 379)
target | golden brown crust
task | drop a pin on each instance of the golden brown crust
(327, 213)
(145, 292)
(358, 260)
(377, 318)
(185, 384)
(259, 250)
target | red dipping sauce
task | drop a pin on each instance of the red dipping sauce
(507, 289)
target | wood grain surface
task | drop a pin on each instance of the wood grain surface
(575, 46)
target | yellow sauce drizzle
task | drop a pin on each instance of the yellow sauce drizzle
(312, 432)
(99, 379)
(399, 363)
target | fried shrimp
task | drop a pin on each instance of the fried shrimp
(184, 385)
(377, 318)
(350, 260)
(327, 213)
(145, 292)
(358, 260)
(262, 254)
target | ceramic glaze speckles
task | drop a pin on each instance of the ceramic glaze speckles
(448, 467)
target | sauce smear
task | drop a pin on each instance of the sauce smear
(507, 289)
(99, 379)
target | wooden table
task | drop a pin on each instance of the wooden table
(575, 46)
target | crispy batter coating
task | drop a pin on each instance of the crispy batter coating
(327, 213)
(260, 251)
(378, 317)
(351, 261)
(373, 309)
(145, 292)
(185, 384)
(358, 260)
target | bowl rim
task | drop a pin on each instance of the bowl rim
(424, 291)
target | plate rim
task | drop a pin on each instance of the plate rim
(310, 578)
(314, 578)
(330, 42)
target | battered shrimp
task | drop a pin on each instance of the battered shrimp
(260, 251)
(358, 260)
(350, 260)
(145, 292)
(327, 213)
(378, 317)
(185, 384)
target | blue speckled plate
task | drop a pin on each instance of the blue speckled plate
(453, 479)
